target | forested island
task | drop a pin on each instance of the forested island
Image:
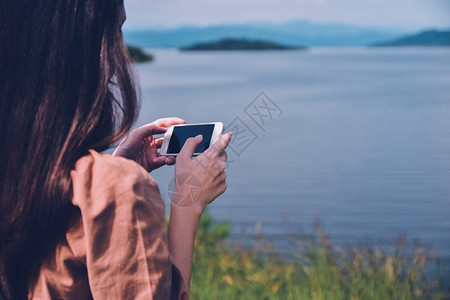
(137, 55)
(238, 45)
(425, 38)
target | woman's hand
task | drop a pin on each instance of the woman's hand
(140, 146)
(200, 180)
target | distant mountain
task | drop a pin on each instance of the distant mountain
(239, 45)
(296, 33)
(425, 38)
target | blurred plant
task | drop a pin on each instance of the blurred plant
(319, 270)
(137, 55)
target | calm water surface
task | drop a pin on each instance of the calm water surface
(363, 143)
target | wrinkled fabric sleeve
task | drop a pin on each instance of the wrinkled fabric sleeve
(123, 220)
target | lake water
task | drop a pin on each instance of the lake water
(359, 138)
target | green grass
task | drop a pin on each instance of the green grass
(320, 270)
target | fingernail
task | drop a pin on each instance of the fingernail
(230, 133)
(199, 137)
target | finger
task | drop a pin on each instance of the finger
(189, 147)
(222, 177)
(221, 165)
(158, 142)
(170, 160)
(166, 122)
(159, 162)
(220, 190)
(223, 187)
(147, 130)
(219, 146)
(223, 156)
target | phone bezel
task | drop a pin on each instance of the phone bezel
(217, 132)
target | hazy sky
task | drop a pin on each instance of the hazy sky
(399, 13)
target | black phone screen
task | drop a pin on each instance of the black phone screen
(181, 133)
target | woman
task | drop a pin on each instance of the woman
(74, 223)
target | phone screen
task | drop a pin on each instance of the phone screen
(181, 133)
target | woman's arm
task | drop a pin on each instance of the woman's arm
(182, 231)
(198, 181)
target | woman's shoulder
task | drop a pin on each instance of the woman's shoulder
(118, 234)
(97, 164)
(103, 176)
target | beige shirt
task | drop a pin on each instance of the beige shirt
(116, 245)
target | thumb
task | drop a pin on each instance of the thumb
(146, 131)
(189, 147)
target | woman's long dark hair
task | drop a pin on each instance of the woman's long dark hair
(62, 65)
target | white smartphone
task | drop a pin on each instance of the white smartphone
(176, 136)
